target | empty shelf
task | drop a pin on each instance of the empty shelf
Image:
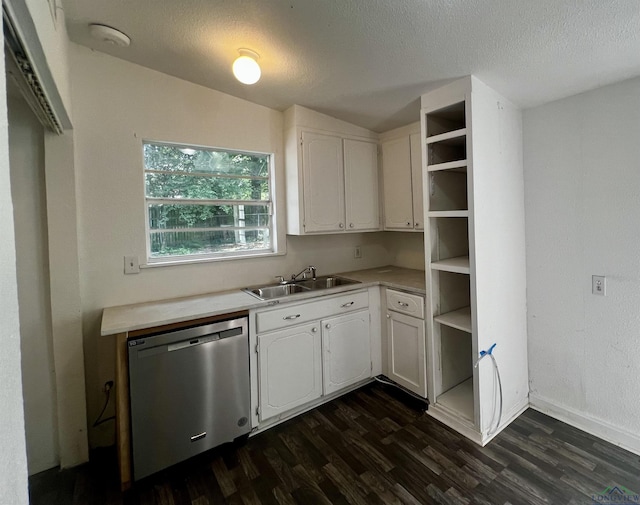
(459, 319)
(447, 135)
(459, 399)
(447, 166)
(459, 265)
(448, 213)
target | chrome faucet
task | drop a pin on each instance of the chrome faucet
(310, 269)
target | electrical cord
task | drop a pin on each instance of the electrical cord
(387, 382)
(484, 354)
(98, 421)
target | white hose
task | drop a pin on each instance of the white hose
(484, 354)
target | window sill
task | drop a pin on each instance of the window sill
(191, 261)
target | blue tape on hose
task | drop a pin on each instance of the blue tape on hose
(490, 351)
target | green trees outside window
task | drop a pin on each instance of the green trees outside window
(210, 202)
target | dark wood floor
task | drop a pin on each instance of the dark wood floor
(369, 448)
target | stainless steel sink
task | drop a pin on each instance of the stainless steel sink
(269, 292)
(326, 282)
(302, 286)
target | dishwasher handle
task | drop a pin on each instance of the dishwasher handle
(205, 339)
(193, 342)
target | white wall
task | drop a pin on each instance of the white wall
(13, 457)
(582, 192)
(406, 249)
(66, 307)
(116, 105)
(26, 150)
(41, 28)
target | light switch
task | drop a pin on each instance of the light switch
(599, 285)
(131, 265)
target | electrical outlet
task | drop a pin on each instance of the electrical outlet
(357, 252)
(131, 265)
(599, 285)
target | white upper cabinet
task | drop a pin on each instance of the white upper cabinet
(361, 185)
(396, 173)
(332, 175)
(323, 175)
(416, 181)
(402, 179)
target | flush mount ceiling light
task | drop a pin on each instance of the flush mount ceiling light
(246, 68)
(109, 35)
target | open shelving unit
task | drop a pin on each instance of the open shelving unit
(445, 135)
(459, 399)
(459, 319)
(447, 166)
(474, 255)
(459, 265)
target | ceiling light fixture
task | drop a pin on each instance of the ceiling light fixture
(246, 68)
(109, 35)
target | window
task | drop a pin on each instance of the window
(207, 203)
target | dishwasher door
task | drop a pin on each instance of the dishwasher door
(190, 391)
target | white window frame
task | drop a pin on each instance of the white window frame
(153, 261)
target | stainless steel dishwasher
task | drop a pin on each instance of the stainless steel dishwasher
(190, 391)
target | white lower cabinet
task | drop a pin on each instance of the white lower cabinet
(406, 352)
(346, 345)
(406, 345)
(290, 364)
(310, 349)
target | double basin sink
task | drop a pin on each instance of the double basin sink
(272, 291)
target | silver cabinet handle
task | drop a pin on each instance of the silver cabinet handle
(416, 224)
(408, 223)
(388, 316)
(314, 329)
(402, 304)
(350, 225)
(287, 318)
(199, 436)
(344, 305)
(327, 326)
(341, 225)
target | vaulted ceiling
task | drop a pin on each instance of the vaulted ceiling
(368, 61)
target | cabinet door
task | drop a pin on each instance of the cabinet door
(416, 181)
(323, 173)
(406, 352)
(290, 368)
(361, 185)
(396, 174)
(346, 345)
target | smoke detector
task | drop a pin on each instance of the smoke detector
(109, 35)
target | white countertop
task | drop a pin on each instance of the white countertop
(146, 315)
(392, 277)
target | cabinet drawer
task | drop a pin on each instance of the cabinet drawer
(298, 313)
(405, 303)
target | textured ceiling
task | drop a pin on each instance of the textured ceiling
(368, 61)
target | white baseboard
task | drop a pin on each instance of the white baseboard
(467, 429)
(597, 427)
